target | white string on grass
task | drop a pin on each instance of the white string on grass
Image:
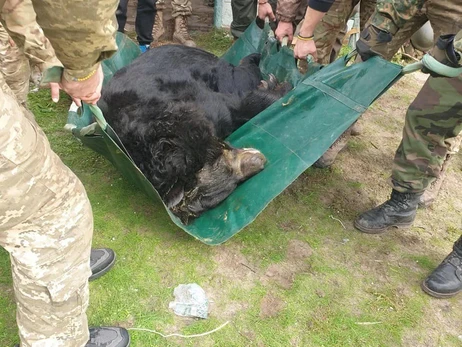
(179, 335)
(338, 220)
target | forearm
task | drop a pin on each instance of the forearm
(312, 19)
(83, 34)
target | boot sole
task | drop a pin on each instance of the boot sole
(382, 230)
(437, 295)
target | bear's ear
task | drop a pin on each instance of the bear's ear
(174, 196)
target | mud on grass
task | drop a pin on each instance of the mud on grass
(300, 275)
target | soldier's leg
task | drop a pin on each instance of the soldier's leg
(329, 28)
(158, 29)
(46, 226)
(14, 66)
(433, 120)
(432, 191)
(244, 13)
(121, 14)
(181, 10)
(144, 22)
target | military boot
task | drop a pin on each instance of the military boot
(446, 280)
(101, 261)
(158, 29)
(181, 33)
(431, 193)
(399, 211)
(328, 158)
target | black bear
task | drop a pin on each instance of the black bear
(172, 108)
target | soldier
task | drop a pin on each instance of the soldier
(46, 222)
(432, 120)
(181, 10)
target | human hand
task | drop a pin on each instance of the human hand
(88, 90)
(303, 48)
(265, 10)
(372, 41)
(284, 29)
(443, 60)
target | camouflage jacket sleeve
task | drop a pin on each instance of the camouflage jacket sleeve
(286, 10)
(390, 15)
(82, 32)
(22, 26)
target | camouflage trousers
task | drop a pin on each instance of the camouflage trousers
(46, 225)
(433, 123)
(14, 66)
(179, 7)
(330, 32)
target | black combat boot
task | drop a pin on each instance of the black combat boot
(399, 211)
(446, 280)
(101, 261)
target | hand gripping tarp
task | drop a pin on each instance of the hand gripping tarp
(293, 133)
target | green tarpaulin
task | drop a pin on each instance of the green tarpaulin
(293, 133)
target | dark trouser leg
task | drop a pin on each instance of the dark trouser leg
(244, 12)
(145, 14)
(121, 15)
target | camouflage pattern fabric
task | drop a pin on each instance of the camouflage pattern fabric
(14, 66)
(46, 226)
(392, 15)
(66, 25)
(290, 10)
(329, 33)
(21, 23)
(432, 124)
(404, 18)
(179, 7)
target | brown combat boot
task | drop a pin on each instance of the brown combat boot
(328, 158)
(431, 193)
(158, 29)
(181, 33)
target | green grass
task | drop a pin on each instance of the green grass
(328, 296)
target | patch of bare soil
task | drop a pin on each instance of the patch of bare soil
(270, 306)
(234, 269)
(283, 274)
